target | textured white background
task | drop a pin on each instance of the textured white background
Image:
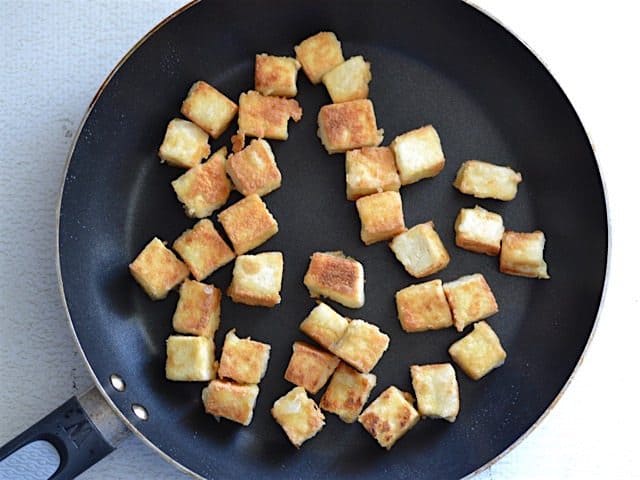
(54, 55)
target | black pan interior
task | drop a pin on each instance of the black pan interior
(437, 62)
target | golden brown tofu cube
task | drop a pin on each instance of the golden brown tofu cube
(470, 299)
(190, 359)
(267, 117)
(257, 279)
(370, 170)
(243, 360)
(198, 310)
(184, 144)
(248, 223)
(423, 307)
(298, 415)
(362, 345)
(310, 367)
(158, 270)
(389, 417)
(208, 108)
(418, 154)
(479, 230)
(436, 389)
(485, 180)
(381, 216)
(319, 54)
(349, 125)
(522, 254)
(324, 325)
(276, 75)
(420, 250)
(230, 400)
(254, 169)
(347, 392)
(479, 352)
(349, 80)
(203, 249)
(335, 276)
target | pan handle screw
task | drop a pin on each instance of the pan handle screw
(140, 411)
(117, 382)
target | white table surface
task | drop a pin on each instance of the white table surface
(55, 55)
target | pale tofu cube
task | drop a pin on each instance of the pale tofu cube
(203, 249)
(184, 144)
(349, 80)
(389, 417)
(470, 299)
(248, 223)
(243, 360)
(158, 270)
(198, 310)
(420, 250)
(310, 367)
(436, 389)
(276, 76)
(298, 415)
(266, 117)
(423, 307)
(254, 169)
(349, 125)
(230, 400)
(381, 216)
(522, 254)
(324, 325)
(208, 108)
(479, 352)
(370, 170)
(361, 346)
(319, 54)
(485, 180)
(257, 279)
(479, 230)
(190, 359)
(347, 392)
(418, 154)
(335, 276)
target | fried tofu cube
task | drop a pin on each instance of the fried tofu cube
(389, 417)
(362, 345)
(248, 223)
(230, 400)
(254, 169)
(486, 180)
(349, 80)
(370, 170)
(418, 154)
(420, 250)
(436, 389)
(208, 108)
(347, 392)
(158, 270)
(349, 125)
(479, 352)
(319, 54)
(336, 276)
(257, 279)
(470, 299)
(267, 117)
(205, 187)
(276, 75)
(298, 415)
(522, 254)
(479, 230)
(184, 144)
(310, 367)
(243, 360)
(203, 249)
(423, 307)
(198, 310)
(324, 325)
(381, 216)
(190, 359)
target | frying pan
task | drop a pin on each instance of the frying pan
(439, 62)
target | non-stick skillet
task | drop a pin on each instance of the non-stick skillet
(440, 62)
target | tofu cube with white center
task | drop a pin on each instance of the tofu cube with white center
(298, 415)
(370, 170)
(248, 223)
(349, 80)
(230, 400)
(486, 180)
(423, 307)
(208, 108)
(324, 325)
(381, 216)
(348, 125)
(243, 360)
(319, 54)
(347, 392)
(470, 299)
(420, 250)
(418, 154)
(479, 352)
(479, 230)
(184, 144)
(266, 117)
(198, 310)
(436, 389)
(276, 76)
(257, 279)
(336, 276)
(190, 359)
(522, 254)
(310, 367)
(361, 346)
(254, 169)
